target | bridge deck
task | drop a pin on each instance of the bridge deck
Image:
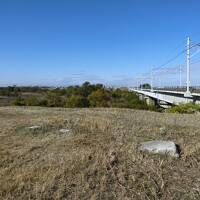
(172, 92)
(170, 97)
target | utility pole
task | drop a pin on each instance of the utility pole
(188, 94)
(151, 79)
(137, 84)
(159, 83)
(141, 87)
(180, 77)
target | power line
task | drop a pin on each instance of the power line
(164, 70)
(175, 57)
(198, 61)
(170, 60)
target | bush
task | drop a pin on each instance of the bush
(188, 108)
(32, 101)
(99, 98)
(76, 101)
(53, 100)
(43, 102)
(19, 101)
(126, 99)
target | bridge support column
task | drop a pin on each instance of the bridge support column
(141, 97)
(164, 104)
(150, 101)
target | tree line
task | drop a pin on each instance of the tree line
(86, 95)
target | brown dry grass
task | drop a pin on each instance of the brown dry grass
(99, 160)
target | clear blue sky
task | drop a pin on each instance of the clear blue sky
(47, 42)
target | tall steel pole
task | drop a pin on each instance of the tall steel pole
(180, 77)
(141, 86)
(151, 79)
(188, 66)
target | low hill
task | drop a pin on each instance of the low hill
(95, 154)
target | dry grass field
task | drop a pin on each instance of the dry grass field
(98, 158)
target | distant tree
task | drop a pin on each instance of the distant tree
(4, 92)
(54, 100)
(145, 86)
(86, 84)
(116, 94)
(32, 101)
(99, 98)
(71, 90)
(43, 102)
(75, 101)
(19, 101)
(99, 86)
(86, 89)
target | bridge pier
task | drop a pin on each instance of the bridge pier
(141, 97)
(196, 101)
(164, 104)
(150, 101)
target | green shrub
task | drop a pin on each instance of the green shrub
(43, 102)
(19, 101)
(53, 100)
(32, 101)
(126, 99)
(188, 108)
(99, 98)
(76, 101)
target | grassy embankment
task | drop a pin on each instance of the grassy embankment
(99, 159)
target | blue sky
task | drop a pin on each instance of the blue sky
(61, 42)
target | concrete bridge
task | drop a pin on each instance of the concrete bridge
(166, 98)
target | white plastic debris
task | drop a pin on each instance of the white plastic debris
(64, 130)
(162, 147)
(34, 127)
